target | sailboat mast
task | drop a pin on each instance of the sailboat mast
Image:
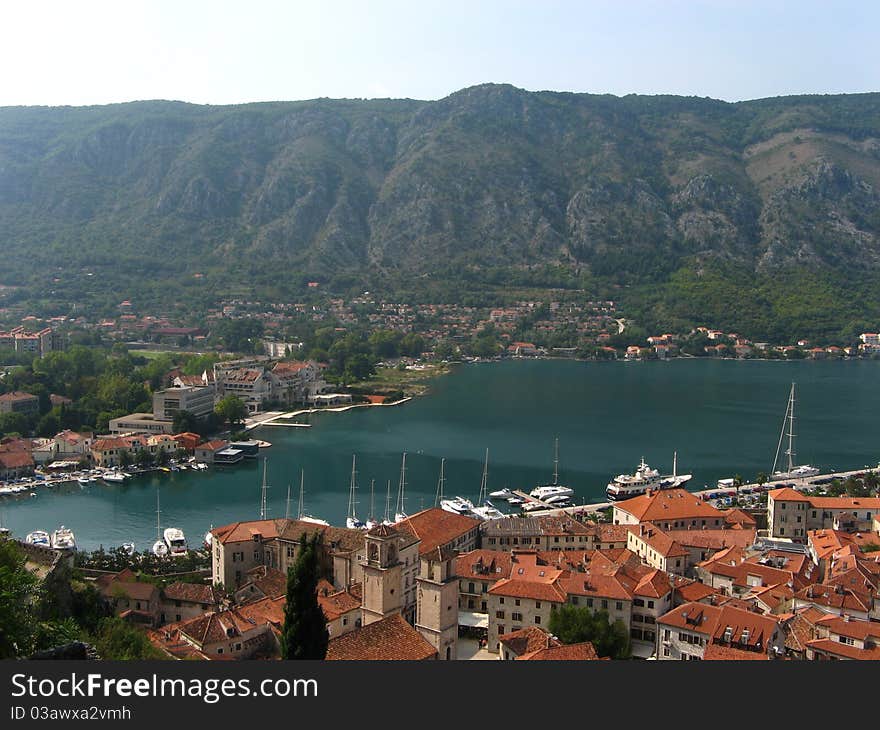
(287, 509)
(484, 480)
(556, 461)
(401, 487)
(674, 464)
(352, 487)
(440, 482)
(388, 503)
(264, 508)
(372, 516)
(790, 452)
(158, 522)
(302, 479)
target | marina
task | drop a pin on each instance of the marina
(722, 417)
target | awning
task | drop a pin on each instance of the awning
(474, 620)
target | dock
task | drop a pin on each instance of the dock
(797, 484)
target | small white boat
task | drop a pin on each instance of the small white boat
(558, 499)
(113, 477)
(160, 549)
(83, 481)
(352, 522)
(502, 494)
(38, 537)
(532, 507)
(551, 490)
(488, 512)
(175, 540)
(515, 500)
(457, 505)
(128, 547)
(63, 539)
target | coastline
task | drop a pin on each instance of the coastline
(336, 409)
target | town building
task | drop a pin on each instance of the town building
(668, 509)
(791, 514)
(18, 401)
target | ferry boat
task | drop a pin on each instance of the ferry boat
(63, 539)
(624, 486)
(175, 540)
(792, 471)
(38, 537)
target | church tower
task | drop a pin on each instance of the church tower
(437, 612)
(382, 574)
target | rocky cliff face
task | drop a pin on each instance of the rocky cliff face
(490, 176)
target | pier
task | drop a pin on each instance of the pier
(745, 488)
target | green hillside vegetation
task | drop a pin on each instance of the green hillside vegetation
(761, 216)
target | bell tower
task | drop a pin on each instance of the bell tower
(437, 610)
(382, 574)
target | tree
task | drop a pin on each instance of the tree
(231, 409)
(18, 589)
(761, 478)
(185, 421)
(576, 624)
(304, 635)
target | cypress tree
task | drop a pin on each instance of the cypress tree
(304, 635)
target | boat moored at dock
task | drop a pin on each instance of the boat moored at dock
(625, 486)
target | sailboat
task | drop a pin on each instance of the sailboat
(486, 510)
(387, 517)
(301, 515)
(456, 505)
(352, 522)
(401, 514)
(264, 505)
(371, 520)
(555, 489)
(160, 548)
(792, 471)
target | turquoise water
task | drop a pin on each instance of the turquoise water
(723, 417)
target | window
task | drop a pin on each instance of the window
(638, 602)
(665, 651)
(604, 603)
(470, 603)
(470, 587)
(500, 629)
(485, 587)
(619, 605)
(590, 602)
(516, 601)
(537, 619)
(220, 650)
(537, 604)
(499, 614)
(516, 616)
(501, 600)
(650, 604)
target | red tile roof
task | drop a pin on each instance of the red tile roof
(391, 639)
(528, 640)
(668, 504)
(582, 652)
(436, 527)
(719, 652)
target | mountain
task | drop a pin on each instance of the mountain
(654, 194)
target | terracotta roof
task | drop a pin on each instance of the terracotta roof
(550, 592)
(830, 646)
(337, 603)
(800, 628)
(715, 620)
(484, 565)
(657, 540)
(528, 640)
(191, 592)
(391, 639)
(582, 652)
(436, 527)
(268, 581)
(16, 395)
(787, 494)
(691, 590)
(719, 652)
(713, 539)
(16, 460)
(736, 516)
(834, 597)
(541, 525)
(668, 504)
(612, 533)
(854, 628)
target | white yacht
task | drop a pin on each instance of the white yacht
(63, 539)
(458, 505)
(160, 548)
(551, 490)
(488, 511)
(38, 537)
(113, 477)
(128, 547)
(624, 486)
(502, 494)
(175, 540)
(555, 489)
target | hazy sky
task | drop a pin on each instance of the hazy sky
(220, 52)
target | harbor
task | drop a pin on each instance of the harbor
(722, 418)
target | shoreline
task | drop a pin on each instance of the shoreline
(339, 409)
